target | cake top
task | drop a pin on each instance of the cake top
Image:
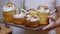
(9, 7)
(18, 15)
(32, 18)
(43, 9)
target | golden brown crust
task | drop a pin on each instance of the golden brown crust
(32, 24)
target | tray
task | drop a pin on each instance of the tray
(21, 26)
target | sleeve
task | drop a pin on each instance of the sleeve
(57, 3)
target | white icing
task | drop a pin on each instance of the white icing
(34, 19)
(41, 10)
(6, 8)
(27, 12)
(18, 16)
(28, 16)
(30, 11)
(28, 19)
(46, 11)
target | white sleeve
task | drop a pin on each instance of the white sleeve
(57, 3)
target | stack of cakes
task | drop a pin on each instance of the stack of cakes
(31, 18)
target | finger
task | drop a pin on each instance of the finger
(48, 27)
(51, 19)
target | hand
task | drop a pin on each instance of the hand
(52, 23)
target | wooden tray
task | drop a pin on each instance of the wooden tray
(5, 30)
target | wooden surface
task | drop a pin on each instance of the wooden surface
(58, 30)
(5, 30)
(35, 32)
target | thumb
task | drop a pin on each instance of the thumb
(51, 18)
(49, 26)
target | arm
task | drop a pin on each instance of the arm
(54, 23)
(58, 11)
